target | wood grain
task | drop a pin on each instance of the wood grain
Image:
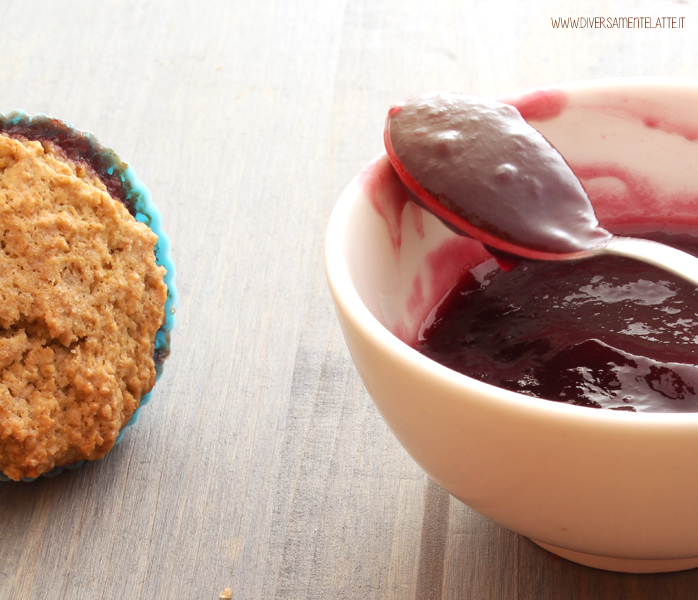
(261, 465)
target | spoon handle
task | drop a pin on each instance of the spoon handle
(665, 257)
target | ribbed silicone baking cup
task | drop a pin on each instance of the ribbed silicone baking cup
(117, 176)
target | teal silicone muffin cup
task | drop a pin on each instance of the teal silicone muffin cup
(122, 183)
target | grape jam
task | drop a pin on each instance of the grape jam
(608, 333)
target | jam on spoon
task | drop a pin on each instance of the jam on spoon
(482, 170)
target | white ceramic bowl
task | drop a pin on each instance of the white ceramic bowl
(613, 490)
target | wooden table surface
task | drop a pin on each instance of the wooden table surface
(262, 465)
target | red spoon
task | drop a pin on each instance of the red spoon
(480, 168)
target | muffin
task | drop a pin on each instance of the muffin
(86, 289)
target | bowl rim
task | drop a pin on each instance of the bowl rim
(347, 301)
(609, 83)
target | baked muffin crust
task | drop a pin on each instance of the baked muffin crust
(81, 300)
